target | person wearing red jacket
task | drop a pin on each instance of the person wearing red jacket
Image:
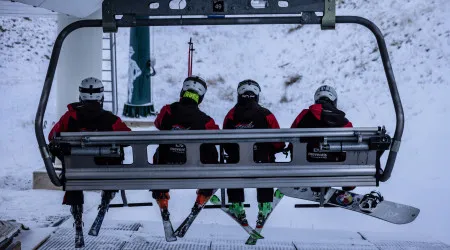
(88, 115)
(248, 114)
(322, 114)
(184, 115)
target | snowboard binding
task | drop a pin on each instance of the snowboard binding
(370, 201)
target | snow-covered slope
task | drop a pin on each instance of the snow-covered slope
(289, 62)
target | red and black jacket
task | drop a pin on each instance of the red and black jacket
(322, 115)
(183, 115)
(89, 116)
(251, 115)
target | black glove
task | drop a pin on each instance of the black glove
(58, 149)
(286, 152)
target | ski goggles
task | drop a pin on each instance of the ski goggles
(248, 85)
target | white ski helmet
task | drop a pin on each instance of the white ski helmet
(195, 84)
(249, 86)
(91, 89)
(327, 92)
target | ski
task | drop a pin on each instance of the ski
(372, 204)
(167, 224)
(243, 223)
(196, 209)
(79, 239)
(277, 196)
(107, 197)
(95, 228)
(77, 213)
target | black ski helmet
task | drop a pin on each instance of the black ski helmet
(194, 84)
(248, 89)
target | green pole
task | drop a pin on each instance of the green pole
(139, 102)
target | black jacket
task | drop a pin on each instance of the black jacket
(183, 115)
(250, 115)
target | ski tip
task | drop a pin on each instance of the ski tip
(251, 241)
(92, 233)
(171, 239)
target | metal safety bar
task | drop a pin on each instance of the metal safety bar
(358, 168)
(130, 20)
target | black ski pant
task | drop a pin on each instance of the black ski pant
(262, 195)
(77, 197)
(163, 193)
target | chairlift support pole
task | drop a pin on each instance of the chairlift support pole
(190, 56)
(234, 12)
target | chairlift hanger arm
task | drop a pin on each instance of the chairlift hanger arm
(400, 118)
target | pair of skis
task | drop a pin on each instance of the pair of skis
(254, 234)
(172, 235)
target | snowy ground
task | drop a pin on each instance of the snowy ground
(418, 38)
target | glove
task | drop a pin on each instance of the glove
(58, 149)
(286, 151)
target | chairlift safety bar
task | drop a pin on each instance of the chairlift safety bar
(357, 169)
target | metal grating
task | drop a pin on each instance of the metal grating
(335, 245)
(121, 226)
(8, 229)
(260, 245)
(64, 239)
(160, 243)
(408, 245)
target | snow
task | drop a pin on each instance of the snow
(418, 39)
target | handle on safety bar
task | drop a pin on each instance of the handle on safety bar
(400, 118)
(38, 127)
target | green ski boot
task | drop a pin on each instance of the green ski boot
(264, 208)
(237, 209)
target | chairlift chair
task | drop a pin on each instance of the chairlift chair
(363, 146)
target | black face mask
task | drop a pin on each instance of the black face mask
(325, 100)
(93, 102)
(247, 97)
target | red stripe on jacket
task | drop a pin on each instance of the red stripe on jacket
(164, 111)
(62, 124)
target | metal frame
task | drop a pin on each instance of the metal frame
(112, 47)
(299, 12)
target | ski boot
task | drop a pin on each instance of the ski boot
(370, 201)
(163, 203)
(278, 194)
(77, 213)
(237, 209)
(199, 203)
(107, 197)
(265, 208)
